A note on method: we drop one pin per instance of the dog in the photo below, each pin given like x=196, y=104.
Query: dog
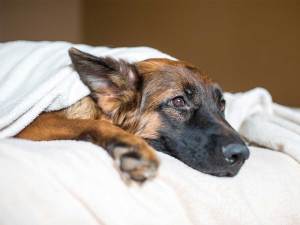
x=135, y=109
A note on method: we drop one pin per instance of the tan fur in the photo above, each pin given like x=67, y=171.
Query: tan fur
x=148, y=126
x=85, y=108
x=54, y=126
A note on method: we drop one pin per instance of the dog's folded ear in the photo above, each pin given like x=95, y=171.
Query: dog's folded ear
x=110, y=80
x=101, y=72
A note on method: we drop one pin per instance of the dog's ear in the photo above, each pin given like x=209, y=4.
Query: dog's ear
x=111, y=81
x=102, y=72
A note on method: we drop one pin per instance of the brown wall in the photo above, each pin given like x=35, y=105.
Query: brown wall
x=40, y=20
x=242, y=44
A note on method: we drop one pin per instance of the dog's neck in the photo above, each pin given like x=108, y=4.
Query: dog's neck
x=86, y=108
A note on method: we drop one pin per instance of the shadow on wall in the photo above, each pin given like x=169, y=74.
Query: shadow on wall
x=241, y=44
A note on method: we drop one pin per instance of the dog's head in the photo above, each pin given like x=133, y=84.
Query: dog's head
x=171, y=104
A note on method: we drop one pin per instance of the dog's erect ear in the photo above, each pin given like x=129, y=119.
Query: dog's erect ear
x=101, y=72
x=111, y=81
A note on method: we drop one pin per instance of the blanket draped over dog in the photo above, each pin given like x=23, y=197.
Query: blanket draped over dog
x=37, y=76
x=72, y=182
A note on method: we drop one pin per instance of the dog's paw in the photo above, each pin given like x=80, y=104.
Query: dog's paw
x=135, y=162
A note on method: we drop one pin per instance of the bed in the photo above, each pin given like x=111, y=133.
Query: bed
x=74, y=182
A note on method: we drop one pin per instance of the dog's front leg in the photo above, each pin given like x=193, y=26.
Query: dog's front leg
x=134, y=157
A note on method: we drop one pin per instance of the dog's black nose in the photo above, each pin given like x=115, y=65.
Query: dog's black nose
x=235, y=152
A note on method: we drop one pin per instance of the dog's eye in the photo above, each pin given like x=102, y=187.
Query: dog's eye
x=178, y=102
x=222, y=104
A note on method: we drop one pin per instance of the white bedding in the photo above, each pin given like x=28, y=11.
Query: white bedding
x=72, y=182
x=68, y=182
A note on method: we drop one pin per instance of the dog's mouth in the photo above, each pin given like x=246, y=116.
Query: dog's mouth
x=230, y=171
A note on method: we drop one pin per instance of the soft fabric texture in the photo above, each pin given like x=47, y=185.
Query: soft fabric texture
x=263, y=122
x=72, y=182
x=69, y=182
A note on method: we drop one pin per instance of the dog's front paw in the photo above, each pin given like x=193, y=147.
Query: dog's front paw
x=136, y=162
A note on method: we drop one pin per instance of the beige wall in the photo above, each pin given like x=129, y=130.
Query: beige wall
x=40, y=20
x=242, y=44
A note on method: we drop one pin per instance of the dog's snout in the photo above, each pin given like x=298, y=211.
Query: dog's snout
x=235, y=153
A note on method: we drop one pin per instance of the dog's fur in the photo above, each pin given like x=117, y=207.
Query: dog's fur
x=169, y=105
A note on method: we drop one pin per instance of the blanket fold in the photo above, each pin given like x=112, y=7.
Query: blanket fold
x=264, y=123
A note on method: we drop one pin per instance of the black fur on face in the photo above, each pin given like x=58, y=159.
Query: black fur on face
x=199, y=134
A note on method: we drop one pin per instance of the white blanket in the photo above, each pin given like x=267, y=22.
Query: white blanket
x=263, y=122
x=72, y=182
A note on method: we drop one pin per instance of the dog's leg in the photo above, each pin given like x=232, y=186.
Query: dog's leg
x=134, y=157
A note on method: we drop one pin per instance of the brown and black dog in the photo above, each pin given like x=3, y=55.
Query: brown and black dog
x=169, y=105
